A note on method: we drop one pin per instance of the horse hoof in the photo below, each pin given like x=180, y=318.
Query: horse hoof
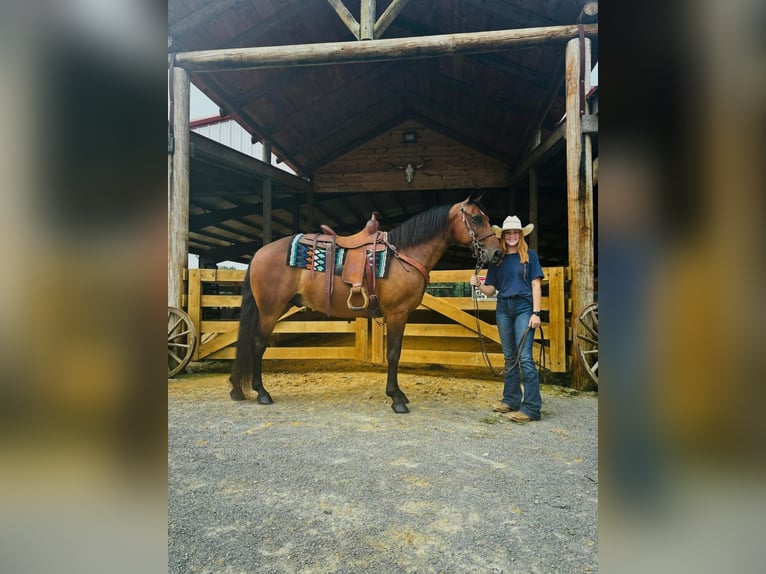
x=400, y=408
x=265, y=399
x=236, y=396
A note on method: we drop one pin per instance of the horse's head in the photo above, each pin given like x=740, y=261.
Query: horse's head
x=471, y=227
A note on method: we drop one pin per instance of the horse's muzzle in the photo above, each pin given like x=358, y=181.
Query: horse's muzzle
x=494, y=257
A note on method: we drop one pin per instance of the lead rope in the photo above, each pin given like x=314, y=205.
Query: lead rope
x=520, y=346
x=484, y=354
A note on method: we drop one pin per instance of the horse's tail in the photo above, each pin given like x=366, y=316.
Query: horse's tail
x=244, y=364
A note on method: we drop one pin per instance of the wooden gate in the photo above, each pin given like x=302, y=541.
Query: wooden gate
x=457, y=320
x=443, y=330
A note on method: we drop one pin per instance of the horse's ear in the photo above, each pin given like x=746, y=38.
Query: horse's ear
x=476, y=195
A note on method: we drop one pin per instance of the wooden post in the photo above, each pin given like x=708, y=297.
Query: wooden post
x=310, y=211
x=361, y=339
x=266, y=188
x=533, y=214
x=557, y=319
x=374, y=50
x=367, y=13
x=178, y=192
x=194, y=303
x=579, y=200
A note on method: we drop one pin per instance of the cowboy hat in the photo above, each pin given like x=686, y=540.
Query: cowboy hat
x=512, y=222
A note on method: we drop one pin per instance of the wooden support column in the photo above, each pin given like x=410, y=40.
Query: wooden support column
x=310, y=211
x=533, y=214
x=178, y=192
x=579, y=198
x=367, y=14
x=266, y=196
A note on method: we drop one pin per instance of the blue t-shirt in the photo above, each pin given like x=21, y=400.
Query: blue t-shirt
x=512, y=279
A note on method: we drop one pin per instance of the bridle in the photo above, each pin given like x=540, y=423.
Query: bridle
x=479, y=252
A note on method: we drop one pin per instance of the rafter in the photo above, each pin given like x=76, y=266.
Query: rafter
x=345, y=16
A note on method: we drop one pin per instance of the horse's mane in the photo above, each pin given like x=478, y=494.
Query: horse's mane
x=423, y=226
x=420, y=227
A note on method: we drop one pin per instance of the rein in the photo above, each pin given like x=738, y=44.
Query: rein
x=515, y=362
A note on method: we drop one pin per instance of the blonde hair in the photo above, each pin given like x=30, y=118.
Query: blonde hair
x=522, y=248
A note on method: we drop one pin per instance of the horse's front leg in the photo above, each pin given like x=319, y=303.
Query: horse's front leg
x=394, y=335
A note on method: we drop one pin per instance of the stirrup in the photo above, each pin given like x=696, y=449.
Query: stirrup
x=364, y=304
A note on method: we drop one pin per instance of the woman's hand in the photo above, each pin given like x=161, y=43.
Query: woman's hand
x=534, y=322
x=475, y=281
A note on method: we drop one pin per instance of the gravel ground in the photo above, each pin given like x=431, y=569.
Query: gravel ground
x=329, y=480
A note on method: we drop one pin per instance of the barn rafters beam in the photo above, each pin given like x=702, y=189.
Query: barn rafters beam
x=375, y=50
x=333, y=98
x=345, y=16
x=208, y=85
x=440, y=119
x=204, y=15
x=470, y=90
x=494, y=61
x=388, y=16
x=358, y=125
x=248, y=97
x=353, y=137
x=510, y=11
x=217, y=152
x=251, y=36
x=367, y=12
x=235, y=251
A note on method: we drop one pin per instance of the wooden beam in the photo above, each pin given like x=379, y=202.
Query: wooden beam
x=547, y=100
x=497, y=62
x=541, y=152
x=368, y=79
x=346, y=17
x=199, y=17
x=234, y=251
x=374, y=50
x=178, y=193
x=533, y=199
x=266, y=196
x=388, y=17
x=579, y=198
x=219, y=153
x=367, y=13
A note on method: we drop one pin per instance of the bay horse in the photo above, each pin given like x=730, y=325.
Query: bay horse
x=271, y=287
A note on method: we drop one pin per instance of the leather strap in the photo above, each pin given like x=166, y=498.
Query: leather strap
x=416, y=264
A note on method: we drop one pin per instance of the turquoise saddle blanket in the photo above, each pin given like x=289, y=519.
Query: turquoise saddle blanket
x=305, y=257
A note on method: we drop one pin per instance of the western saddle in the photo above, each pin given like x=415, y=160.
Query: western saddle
x=359, y=267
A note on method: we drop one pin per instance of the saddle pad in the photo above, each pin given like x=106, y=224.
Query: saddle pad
x=304, y=256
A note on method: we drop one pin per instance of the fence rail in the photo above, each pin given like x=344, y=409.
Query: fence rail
x=442, y=330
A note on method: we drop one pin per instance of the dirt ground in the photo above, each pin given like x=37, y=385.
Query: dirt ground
x=330, y=479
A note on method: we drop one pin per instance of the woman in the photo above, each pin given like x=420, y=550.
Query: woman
x=518, y=284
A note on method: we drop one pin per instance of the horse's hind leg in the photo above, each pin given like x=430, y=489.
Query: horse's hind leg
x=394, y=335
x=254, y=331
x=266, y=324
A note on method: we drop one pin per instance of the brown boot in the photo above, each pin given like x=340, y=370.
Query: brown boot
x=519, y=417
x=503, y=408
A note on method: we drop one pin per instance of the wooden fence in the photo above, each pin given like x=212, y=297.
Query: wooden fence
x=443, y=330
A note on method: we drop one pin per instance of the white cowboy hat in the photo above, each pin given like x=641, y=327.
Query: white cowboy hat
x=512, y=222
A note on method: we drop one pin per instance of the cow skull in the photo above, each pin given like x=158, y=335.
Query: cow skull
x=409, y=169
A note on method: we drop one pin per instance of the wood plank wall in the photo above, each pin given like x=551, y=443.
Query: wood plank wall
x=450, y=165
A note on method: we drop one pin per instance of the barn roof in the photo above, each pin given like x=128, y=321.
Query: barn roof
x=475, y=113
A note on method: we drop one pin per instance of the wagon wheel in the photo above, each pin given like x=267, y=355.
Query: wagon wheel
x=182, y=338
x=587, y=340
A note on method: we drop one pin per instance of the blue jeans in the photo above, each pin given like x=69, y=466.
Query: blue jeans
x=513, y=314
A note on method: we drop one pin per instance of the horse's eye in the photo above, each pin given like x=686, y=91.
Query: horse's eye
x=477, y=219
